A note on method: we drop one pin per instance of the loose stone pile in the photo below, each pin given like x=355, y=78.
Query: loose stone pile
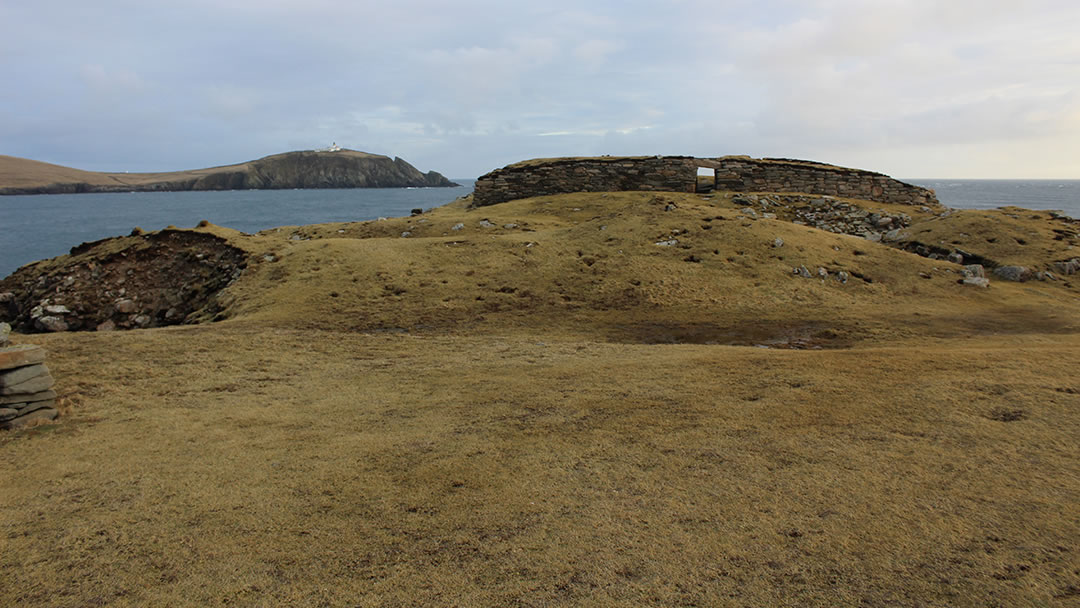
x=828, y=213
x=25, y=384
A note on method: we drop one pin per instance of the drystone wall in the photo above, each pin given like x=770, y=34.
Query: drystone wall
x=680, y=174
x=599, y=174
x=744, y=174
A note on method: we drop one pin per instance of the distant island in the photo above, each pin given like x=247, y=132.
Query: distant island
x=331, y=168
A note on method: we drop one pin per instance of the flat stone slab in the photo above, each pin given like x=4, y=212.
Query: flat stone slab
x=23, y=420
x=33, y=385
x=20, y=356
x=26, y=408
x=7, y=413
x=22, y=374
x=9, y=400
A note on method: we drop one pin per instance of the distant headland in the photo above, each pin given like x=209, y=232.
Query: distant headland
x=332, y=167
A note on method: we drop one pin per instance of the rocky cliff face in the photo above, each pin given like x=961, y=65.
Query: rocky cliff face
x=304, y=169
x=321, y=170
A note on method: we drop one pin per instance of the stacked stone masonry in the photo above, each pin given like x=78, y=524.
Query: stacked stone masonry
x=680, y=174
x=25, y=384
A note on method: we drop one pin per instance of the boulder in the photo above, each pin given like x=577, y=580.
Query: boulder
x=22, y=374
x=18, y=356
x=50, y=323
x=1012, y=273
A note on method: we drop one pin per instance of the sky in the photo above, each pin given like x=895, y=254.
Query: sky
x=911, y=88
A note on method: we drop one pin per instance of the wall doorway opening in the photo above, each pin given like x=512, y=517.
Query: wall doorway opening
x=706, y=179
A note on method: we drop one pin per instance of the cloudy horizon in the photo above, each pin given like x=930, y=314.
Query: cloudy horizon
x=914, y=89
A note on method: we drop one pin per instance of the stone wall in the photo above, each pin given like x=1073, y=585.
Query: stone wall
x=599, y=174
x=745, y=174
x=679, y=174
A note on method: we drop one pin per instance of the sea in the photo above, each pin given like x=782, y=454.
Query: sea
x=47, y=225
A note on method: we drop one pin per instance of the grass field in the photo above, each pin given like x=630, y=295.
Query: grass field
x=564, y=413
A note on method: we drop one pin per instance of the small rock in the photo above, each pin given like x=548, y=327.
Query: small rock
x=873, y=237
x=768, y=216
x=670, y=207
x=106, y=325
x=406, y=234
x=778, y=242
x=1068, y=267
x=511, y=226
x=976, y=281
x=1012, y=273
x=842, y=277
x=974, y=270
x=125, y=306
x=269, y=257
x=956, y=257
x=486, y=224
x=802, y=271
x=50, y=323
x=458, y=226
x=57, y=309
x=417, y=211
x=747, y=211
x=668, y=243
x=7, y=413
x=5, y=331
x=822, y=273
x=141, y=320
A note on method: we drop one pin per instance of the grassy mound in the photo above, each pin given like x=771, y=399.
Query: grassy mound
x=562, y=401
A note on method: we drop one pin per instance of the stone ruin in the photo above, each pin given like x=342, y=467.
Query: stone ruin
x=541, y=177
x=26, y=385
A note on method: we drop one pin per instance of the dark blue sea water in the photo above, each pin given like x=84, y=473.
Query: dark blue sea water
x=1063, y=195
x=47, y=225
x=44, y=226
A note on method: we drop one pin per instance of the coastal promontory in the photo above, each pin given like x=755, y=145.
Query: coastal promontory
x=334, y=168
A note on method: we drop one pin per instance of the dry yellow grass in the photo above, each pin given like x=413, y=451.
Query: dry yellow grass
x=548, y=448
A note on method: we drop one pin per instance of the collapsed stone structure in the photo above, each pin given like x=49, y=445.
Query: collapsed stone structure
x=25, y=384
x=540, y=177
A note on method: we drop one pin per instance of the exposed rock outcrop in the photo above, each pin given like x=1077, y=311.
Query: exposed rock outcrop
x=161, y=278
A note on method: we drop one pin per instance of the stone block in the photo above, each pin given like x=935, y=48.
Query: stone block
x=22, y=374
x=21, y=355
x=23, y=420
x=33, y=385
x=14, y=400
